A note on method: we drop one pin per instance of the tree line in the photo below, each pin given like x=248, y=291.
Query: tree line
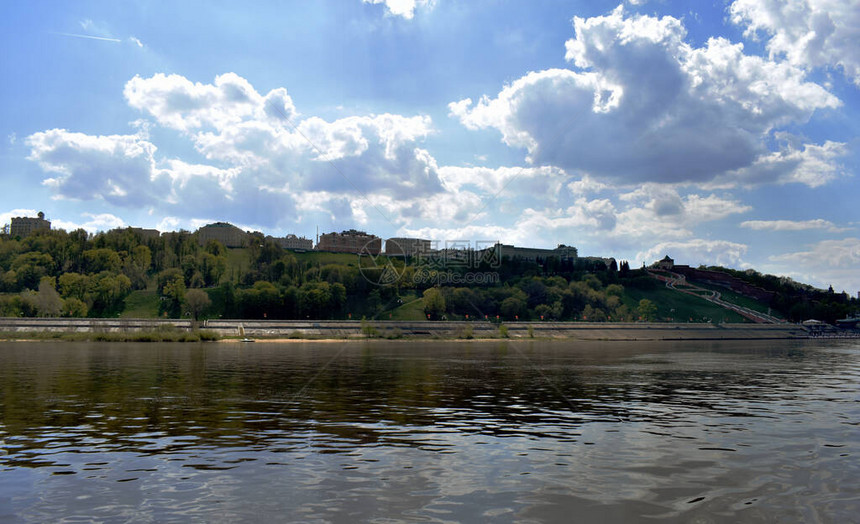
x=76, y=274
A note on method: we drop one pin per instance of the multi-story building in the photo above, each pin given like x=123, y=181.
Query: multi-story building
x=25, y=226
x=409, y=247
x=500, y=251
x=146, y=234
x=351, y=241
x=227, y=234
x=293, y=242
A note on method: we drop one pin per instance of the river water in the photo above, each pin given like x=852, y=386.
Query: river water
x=430, y=432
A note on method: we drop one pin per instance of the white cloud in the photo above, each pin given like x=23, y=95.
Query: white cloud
x=403, y=8
x=647, y=106
x=808, y=33
x=811, y=165
x=792, y=225
x=256, y=160
x=829, y=262
x=168, y=224
x=116, y=168
x=596, y=216
x=658, y=211
x=697, y=251
x=230, y=122
x=6, y=218
x=135, y=41
x=498, y=181
x=96, y=222
x=843, y=253
x=178, y=103
x=587, y=185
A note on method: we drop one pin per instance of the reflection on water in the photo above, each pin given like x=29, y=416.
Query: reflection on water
x=430, y=431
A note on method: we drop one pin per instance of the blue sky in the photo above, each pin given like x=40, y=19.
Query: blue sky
x=718, y=133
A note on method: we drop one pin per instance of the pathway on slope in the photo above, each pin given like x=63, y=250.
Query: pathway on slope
x=679, y=283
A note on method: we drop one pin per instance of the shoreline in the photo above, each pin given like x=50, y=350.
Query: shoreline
x=330, y=331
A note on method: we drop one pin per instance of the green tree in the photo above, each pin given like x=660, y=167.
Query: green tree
x=74, y=285
x=48, y=301
x=434, y=303
x=106, y=293
x=314, y=299
x=103, y=259
x=31, y=267
x=647, y=310
x=513, y=307
x=172, y=293
x=196, y=302
x=75, y=308
x=136, y=265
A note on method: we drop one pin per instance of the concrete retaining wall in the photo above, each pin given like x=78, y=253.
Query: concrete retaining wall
x=340, y=329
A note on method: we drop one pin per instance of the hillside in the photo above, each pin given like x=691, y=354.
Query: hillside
x=120, y=273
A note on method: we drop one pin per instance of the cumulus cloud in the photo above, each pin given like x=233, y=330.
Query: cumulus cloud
x=119, y=169
x=523, y=182
x=697, y=251
x=843, y=253
x=824, y=263
x=259, y=154
x=230, y=122
x=808, y=33
x=659, y=211
x=178, y=103
x=402, y=8
x=792, y=225
x=810, y=164
x=644, y=105
x=93, y=223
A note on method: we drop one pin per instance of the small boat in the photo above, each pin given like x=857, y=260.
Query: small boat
x=247, y=340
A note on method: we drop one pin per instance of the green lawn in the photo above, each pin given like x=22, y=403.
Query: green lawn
x=412, y=309
x=141, y=304
x=738, y=299
x=685, y=306
x=238, y=261
x=322, y=258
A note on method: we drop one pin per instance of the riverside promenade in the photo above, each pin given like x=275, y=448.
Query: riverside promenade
x=341, y=329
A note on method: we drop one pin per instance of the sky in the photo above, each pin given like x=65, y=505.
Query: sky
x=716, y=132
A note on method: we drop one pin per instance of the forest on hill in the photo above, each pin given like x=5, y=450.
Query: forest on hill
x=123, y=272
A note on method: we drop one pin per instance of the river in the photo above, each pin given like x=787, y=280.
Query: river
x=427, y=431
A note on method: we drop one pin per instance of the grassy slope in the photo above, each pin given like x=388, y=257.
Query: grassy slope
x=736, y=298
x=141, y=304
x=412, y=309
x=685, y=306
x=144, y=304
x=323, y=258
x=238, y=261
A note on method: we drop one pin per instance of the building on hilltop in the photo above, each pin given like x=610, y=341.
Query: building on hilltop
x=350, y=241
x=562, y=252
x=665, y=263
x=293, y=242
x=25, y=226
x=146, y=234
x=400, y=246
x=227, y=234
